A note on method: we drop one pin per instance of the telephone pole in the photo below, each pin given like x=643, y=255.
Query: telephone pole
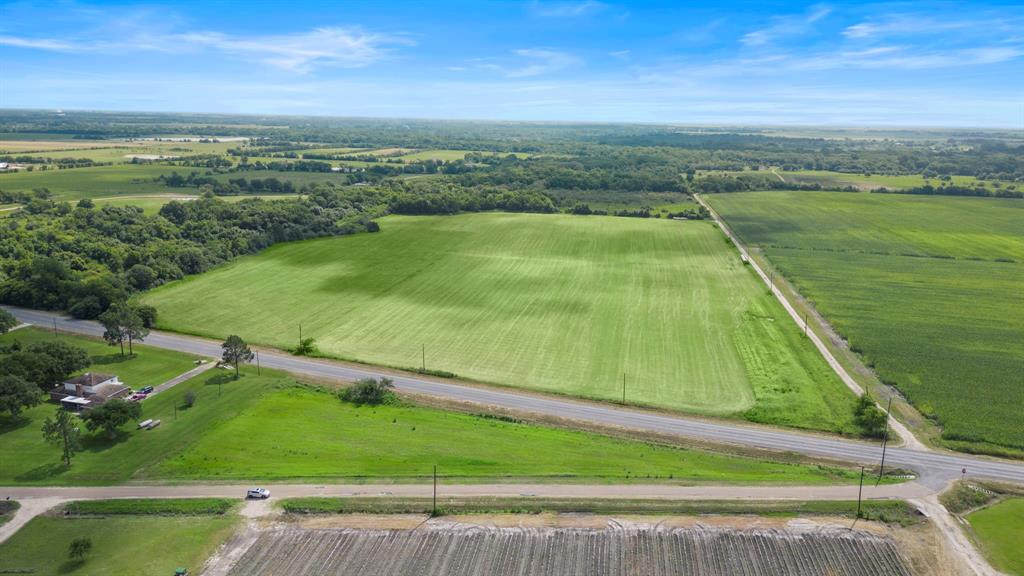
x=859, y=492
x=257, y=362
x=623, y=387
x=423, y=366
x=433, y=510
x=885, y=440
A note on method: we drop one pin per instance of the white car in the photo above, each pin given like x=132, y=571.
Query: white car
x=261, y=493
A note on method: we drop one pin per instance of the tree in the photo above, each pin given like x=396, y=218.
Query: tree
x=869, y=417
x=190, y=399
x=369, y=391
x=16, y=394
x=61, y=430
x=113, y=332
x=121, y=322
x=7, y=321
x=306, y=347
x=79, y=548
x=45, y=364
x=111, y=415
x=236, y=351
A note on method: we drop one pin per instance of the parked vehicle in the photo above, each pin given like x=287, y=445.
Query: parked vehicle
x=260, y=493
x=145, y=424
x=137, y=397
x=153, y=424
x=146, y=390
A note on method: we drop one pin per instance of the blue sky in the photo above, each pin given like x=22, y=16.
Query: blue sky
x=917, y=63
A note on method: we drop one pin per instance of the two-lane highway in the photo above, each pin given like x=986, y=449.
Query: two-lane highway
x=935, y=468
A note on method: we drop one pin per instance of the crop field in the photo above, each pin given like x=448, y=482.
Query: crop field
x=875, y=181
x=91, y=182
x=122, y=545
x=23, y=146
x=471, y=551
x=927, y=289
x=298, y=431
x=151, y=203
x=558, y=303
x=999, y=529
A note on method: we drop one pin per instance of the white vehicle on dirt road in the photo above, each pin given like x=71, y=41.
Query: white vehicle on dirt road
x=259, y=493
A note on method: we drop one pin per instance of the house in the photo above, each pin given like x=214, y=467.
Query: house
x=88, y=390
x=3, y=166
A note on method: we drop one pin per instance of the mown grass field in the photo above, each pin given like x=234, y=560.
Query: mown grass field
x=306, y=434
x=557, y=303
x=121, y=545
x=999, y=529
x=928, y=289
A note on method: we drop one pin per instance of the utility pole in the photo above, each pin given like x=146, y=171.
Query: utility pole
x=257, y=362
x=771, y=281
x=885, y=440
x=433, y=510
x=55, y=327
x=805, y=323
x=423, y=366
x=623, y=387
x=859, y=492
x=300, y=334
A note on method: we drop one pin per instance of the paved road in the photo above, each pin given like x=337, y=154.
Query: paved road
x=935, y=468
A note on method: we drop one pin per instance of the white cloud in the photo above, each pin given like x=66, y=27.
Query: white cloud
x=539, y=61
x=345, y=47
x=620, y=54
x=37, y=43
x=299, y=52
x=784, y=26
x=568, y=9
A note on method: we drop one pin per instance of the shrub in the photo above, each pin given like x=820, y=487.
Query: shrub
x=190, y=398
x=870, y=419
x=370, y=391
x=306, y=347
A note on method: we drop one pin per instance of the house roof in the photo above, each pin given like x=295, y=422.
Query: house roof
x=75, y=400
x=89, y=379
x=110, y=390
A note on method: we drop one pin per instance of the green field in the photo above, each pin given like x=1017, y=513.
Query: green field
x=122, y=545
x=310, y=435
x=890, y=181
x=92, y=182
x=928, y=289
x=556, y=303
x=999, y=529
x=151, y=204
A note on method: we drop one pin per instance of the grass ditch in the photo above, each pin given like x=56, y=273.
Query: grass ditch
x=887, y=511
x=150, y=507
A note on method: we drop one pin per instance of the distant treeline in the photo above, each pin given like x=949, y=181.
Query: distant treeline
x=952, y=190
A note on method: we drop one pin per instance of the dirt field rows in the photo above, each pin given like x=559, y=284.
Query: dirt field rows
x=481, y=551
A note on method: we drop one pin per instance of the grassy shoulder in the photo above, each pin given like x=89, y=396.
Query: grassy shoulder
x=301, y=433
x=999, y=530
x=888, y=511
x=140, y=543
x=151, y=506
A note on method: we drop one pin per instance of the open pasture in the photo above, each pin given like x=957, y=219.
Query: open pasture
x=298, y=431
x=999, y=530
x=577, y=305
x=927, y=289
x=121, y=545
